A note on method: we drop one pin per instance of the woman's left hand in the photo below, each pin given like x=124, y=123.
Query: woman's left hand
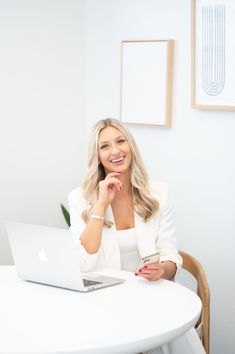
x=151, y=271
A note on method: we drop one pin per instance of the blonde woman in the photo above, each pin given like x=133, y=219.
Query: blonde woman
x=118, y=216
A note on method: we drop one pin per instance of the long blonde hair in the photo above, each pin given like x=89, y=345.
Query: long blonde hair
x=144, y=204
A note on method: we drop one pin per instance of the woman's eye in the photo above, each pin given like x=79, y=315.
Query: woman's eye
x=103, y=147
x=121, y=141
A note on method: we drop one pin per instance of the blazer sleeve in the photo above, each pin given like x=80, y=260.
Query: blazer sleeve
x=166, y=242
x=76, y=206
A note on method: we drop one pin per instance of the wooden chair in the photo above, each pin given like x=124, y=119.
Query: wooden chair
x=193, y=266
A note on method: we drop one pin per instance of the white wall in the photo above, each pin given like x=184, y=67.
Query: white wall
x=42, y=63
x=196, y=156
x=42, y=46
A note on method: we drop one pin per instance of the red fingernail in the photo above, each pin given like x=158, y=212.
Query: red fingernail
x=145, y=266
x=140, y=270
x=136, y=273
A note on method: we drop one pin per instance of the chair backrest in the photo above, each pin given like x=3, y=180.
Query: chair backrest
x=194, y=267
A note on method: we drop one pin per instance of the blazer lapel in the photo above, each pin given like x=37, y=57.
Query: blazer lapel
x=145, y=235
x=111, y=248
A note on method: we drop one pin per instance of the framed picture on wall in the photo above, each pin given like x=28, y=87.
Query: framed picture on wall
x=146, y=82
x=213, y=54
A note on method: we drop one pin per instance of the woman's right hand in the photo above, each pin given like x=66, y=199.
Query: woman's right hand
x=108, y=188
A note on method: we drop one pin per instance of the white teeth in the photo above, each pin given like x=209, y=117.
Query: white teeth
x=118, y=160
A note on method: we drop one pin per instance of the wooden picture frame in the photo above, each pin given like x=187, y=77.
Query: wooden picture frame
x=213, y=54
x=146, y=82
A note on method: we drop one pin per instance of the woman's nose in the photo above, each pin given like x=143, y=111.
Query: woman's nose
x=114, y=149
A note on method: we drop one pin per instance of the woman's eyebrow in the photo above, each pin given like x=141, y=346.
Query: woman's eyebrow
x=105, y=142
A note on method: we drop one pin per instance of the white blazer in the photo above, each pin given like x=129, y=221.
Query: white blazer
x=158, y=234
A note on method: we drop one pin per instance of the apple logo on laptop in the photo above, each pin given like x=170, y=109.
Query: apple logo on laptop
x=42, y=255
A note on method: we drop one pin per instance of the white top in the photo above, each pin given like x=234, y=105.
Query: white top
x=130, y=258
x=132, y=317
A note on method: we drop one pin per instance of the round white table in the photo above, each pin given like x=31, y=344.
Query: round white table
x=127, y=318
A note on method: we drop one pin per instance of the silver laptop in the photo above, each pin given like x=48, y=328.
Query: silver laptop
x=47, y=255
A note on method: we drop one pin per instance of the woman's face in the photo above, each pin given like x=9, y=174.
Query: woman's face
x=114, y=150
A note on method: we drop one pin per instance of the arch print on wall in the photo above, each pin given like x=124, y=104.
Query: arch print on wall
x=213, y=54
x=146, y=82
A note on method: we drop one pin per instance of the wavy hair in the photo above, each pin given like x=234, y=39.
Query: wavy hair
x=144, y=204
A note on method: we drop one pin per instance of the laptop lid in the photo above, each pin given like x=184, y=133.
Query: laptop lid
x=47, y=255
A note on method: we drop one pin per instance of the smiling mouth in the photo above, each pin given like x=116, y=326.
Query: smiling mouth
x=120, y=159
